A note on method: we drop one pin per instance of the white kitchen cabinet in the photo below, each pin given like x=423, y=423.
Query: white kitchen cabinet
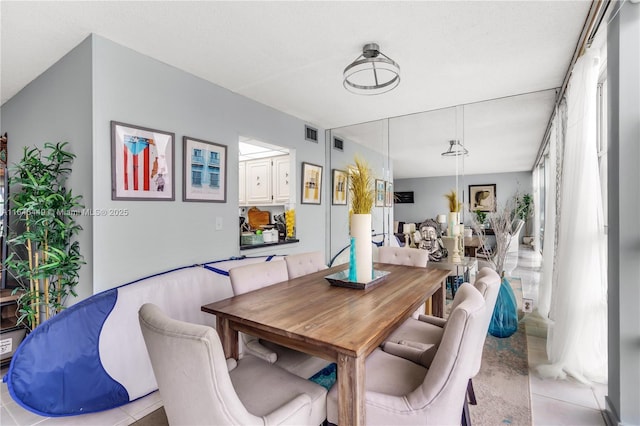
x=281, y=179
x=242, y=183
x=267, y=181
x=259, y=181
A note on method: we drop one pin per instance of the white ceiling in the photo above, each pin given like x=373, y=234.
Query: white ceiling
x=290, y=56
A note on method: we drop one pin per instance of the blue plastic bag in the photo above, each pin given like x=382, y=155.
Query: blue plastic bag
x=504, y=321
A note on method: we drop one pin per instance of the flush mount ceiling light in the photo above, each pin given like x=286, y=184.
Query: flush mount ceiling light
x=455, y=149
x=371, y=73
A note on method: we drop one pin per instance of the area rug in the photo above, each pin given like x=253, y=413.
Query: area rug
x=325, y=377
x=502, y=386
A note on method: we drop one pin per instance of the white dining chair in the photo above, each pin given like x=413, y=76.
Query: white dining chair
x=305, y=263
x=419, y=339
x=405, y=256
x=403, y=392
x=199, y=387
x=255, y=276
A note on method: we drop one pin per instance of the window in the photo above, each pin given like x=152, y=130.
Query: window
x=196, y=178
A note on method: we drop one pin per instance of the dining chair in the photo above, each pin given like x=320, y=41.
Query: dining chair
x=305, y=263
x=402, y=392
x=405, y=256
x=251, y=277
x=419, y=339
x=198, y=386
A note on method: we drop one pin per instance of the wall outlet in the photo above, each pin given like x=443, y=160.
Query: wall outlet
x=527, y=305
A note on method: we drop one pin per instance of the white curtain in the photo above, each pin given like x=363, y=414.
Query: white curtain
x=576, y=341
x=537, y=176
x=548, y=251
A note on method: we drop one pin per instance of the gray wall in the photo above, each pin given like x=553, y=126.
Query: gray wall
x=156, y=236
x=100, y=81
x=57, y=107
x=429, y=200
x=623, y=69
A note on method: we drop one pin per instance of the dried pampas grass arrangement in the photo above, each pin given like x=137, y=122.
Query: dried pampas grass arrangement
x=361, y=187
x=454, y=204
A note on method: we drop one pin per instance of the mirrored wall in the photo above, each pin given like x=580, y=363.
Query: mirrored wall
x=502, y=136
x=368, y=142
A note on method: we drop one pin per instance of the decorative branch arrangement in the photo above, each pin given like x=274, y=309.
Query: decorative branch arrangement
x=501, y=222
x=45, y=210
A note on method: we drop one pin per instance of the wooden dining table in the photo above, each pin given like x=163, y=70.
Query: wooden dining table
x=339, y=324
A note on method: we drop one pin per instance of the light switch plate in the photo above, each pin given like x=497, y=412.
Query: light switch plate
x=218, y=224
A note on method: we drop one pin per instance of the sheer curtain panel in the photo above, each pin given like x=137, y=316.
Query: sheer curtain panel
x=576, y=342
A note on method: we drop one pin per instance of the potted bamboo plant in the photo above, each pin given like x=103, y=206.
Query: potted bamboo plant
x=45, y=256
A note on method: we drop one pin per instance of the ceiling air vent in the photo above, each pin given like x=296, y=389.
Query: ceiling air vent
x=311, y=134
x=338, y=144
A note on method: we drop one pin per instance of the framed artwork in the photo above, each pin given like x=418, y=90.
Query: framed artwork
x=142, y=163
x=311, y=183
x=388, y=194
x=339, y=188
x=205, y=171
x=380, y=194
x=403, y=197
x=482, y=197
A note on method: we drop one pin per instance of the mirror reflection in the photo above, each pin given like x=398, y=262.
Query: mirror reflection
x=501, y=135
x=368, y=142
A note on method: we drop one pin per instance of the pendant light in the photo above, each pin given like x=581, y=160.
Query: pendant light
x=371, y=73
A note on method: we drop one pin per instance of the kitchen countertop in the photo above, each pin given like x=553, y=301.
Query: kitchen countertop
x=279, y=243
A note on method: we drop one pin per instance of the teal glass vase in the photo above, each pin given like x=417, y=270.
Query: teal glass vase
x=352, y=261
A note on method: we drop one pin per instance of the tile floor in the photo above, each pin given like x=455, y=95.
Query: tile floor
x=554, y=402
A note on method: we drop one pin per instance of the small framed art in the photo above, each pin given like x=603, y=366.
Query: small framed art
x=482, y=197
x=388, y=194
x=339, y=188
x=142, y=163
x=311, y=183
x=205, y=171
x=380, y=195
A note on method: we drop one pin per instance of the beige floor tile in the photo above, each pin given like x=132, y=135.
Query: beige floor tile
x=114, y=416
x=536, y=343
x=4, y=395
x=143, y=406
x=600, y=391
x=551, y=412
x=23, y=417
x=6, y=419
x=563, y=390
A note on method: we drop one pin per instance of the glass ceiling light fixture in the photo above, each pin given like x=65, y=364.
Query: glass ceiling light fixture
x=455, y=149
x=371, y=73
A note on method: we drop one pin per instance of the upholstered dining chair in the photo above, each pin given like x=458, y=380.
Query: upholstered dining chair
x=198, y=386
x=403, y=392
x=305, y=263
x=419, y=339
x=253, y=277
x=405, y=256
